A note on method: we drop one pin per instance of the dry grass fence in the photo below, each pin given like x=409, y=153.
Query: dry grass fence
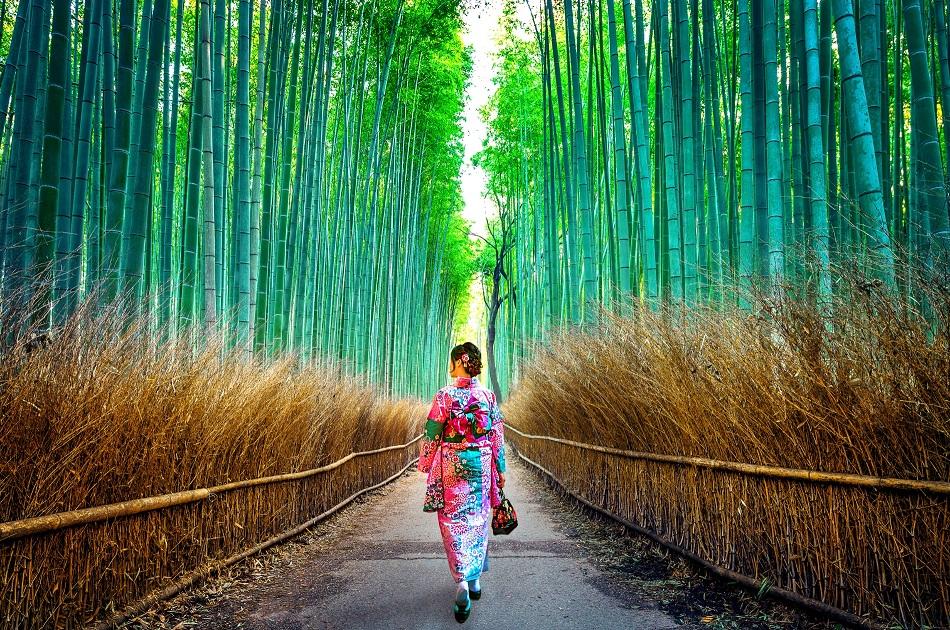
x=865, y=399
x=99, y=415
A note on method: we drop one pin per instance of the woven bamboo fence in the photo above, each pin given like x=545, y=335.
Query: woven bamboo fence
x=864, y=550
x=123, y=556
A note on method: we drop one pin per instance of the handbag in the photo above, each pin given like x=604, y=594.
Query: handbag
x=504, y=519
x=435, y=490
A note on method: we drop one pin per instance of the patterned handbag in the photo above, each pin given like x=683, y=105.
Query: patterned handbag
x=435, y=490
x=504, y=519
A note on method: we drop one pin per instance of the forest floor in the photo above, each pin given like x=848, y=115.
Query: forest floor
x=380, y=564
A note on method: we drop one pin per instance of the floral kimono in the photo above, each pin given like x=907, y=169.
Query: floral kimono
x=465, y=428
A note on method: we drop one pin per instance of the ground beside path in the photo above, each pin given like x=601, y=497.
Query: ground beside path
x=380, y=564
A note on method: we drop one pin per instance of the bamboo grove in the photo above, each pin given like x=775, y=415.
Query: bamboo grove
x=286, y=170
x=688, y=151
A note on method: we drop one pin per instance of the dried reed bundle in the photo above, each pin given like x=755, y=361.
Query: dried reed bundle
x=869, y=395
x=102, y=413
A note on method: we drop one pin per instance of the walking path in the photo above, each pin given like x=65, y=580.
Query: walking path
x=392, y=573
x=387, y=569
x=381, y=565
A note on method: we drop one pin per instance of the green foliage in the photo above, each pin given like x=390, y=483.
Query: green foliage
x=320, y=213
x=754, y=157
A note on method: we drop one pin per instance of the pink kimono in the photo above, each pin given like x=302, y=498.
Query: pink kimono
x=464, y=442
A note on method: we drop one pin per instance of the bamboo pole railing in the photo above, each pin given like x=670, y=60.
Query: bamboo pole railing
x=79, y=602
x=776, y=472
x=42, y=524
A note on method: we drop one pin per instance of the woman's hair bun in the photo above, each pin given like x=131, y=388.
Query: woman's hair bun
x=470, y=356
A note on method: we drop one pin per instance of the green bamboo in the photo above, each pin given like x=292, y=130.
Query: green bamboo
x=931, y=188
x=861, y=143
x=816, y=154
x=137, y=222
x=620, y=152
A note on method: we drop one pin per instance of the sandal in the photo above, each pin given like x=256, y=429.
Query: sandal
x=461, y=614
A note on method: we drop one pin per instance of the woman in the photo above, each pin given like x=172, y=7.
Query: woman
x=464, y=445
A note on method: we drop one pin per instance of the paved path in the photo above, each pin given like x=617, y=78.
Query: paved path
x=388, y=570
x=393, y=574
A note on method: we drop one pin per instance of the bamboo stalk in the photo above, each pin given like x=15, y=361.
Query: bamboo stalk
x=195, y=577
x=12, y=530
x=745, y=581
x=777, y=472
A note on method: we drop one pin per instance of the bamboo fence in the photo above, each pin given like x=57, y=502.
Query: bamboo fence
x=104, y=564
x=867, y=551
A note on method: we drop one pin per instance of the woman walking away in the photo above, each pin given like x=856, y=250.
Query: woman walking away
x=463, y=452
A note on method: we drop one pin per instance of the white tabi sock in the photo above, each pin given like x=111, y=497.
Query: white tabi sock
x=473, y=585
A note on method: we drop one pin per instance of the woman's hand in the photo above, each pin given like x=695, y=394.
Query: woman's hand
x=501, y=480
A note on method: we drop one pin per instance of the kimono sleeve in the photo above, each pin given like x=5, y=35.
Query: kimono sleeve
x=497, y=436
x=435, y=422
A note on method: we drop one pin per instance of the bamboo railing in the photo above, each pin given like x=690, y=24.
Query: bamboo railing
x=777, y=472
x=53, y=522
x=127, y=556
x=863, y=550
